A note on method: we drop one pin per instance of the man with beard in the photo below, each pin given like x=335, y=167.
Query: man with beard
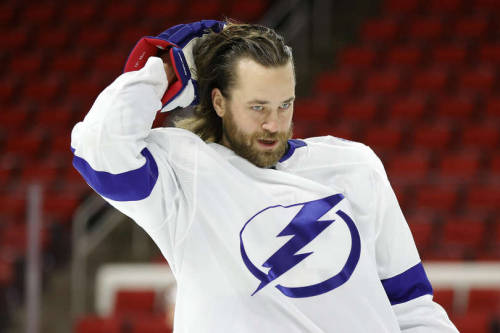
x=262, y=232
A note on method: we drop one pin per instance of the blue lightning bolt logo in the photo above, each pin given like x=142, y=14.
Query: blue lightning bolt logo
x=304, y=227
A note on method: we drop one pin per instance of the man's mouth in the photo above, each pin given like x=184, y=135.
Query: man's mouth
x=267, y=143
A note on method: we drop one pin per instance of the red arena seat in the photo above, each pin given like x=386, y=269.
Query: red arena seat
x=431, y=80
x=408, y=108
x=425, y=29
x=436, y=136
x=409, y=168
x=357, y=57
x=338, y=83
x=380, y=30
x=484, y=300
x=436, y=198
x=489, y=54
x=464, y=231
x=248, y=11
x=383, y=82
x=134, y=301
x=404, y=55
x=459, y=167
x=363, y=109
x=480, y=79
x=450, y=54
x=94, y=324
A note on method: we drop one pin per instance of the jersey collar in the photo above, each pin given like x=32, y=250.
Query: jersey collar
x=292, y=145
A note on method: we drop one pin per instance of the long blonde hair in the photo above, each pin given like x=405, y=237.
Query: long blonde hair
x=215, y=58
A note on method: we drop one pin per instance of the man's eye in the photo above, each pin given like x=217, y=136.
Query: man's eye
x=257, y=107
x=285, y=105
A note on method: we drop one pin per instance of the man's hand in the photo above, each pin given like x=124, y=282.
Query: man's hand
x=174, y=46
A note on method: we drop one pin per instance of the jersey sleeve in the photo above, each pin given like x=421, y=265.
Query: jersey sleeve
x=115, y=152
x=398, y=263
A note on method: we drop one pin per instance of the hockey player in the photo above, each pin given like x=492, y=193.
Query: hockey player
x=262, y=232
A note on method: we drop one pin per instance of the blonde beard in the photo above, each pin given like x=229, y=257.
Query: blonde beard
x=243, y=144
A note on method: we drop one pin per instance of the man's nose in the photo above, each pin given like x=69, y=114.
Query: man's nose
x=270, y=123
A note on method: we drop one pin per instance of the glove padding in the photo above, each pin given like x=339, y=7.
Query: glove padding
x=179, y=41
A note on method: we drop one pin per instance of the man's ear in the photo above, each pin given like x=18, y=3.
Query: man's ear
x=218, y=102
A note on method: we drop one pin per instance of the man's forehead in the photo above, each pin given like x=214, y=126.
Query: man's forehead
x=260, y=80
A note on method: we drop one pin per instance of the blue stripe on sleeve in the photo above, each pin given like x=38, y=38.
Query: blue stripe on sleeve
x=408, y=285
x=127, y=186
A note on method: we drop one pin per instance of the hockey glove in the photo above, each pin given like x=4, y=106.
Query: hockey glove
x=178, y=41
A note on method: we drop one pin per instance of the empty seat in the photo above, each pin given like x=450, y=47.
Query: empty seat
x=54, y=37
x=14, y=117
x=134, y=302
x=382, y=82
x=455, y=107
x=463, y=230
x=15, y=238
x=41, y=173
x=408, y=108
x=94, y=324
x=380, y=30
x=14, y=39
x=248, y=11
x=401, y=6
x=436, y=136
x=425, y=29
x=80, y=12
x=85, y=88
x=27, y=64
x=313, y=109
x=450, y=54
x=444, y=6
x=484, y=300
x=488, y=5
x=472, y=322
x=110, y=63
x=489, y=54
x=470, y=27
x=162, y=9
x=436, y=198
x=481, y=136
x=493, y=107
x=44, y=89
x=68, y=63
x=431, y=80
x=338, y=83
x=39, y=13
x=459, y=167
x=95, y=36
x=61, y=204
x=357, y=57
x=383, y=138
x=444, y=297
x=409, y=168
x=121, y=11
x=404, y=55
x=483, y=198
x=363, y=109
x=480, y=79
x=422, y=228
x=28, y=144
x=151, y=324
x=494, y=166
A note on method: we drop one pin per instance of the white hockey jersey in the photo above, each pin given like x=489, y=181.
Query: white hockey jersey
x=316, y=244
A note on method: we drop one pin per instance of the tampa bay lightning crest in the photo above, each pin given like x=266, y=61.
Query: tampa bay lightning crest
x=314, y=250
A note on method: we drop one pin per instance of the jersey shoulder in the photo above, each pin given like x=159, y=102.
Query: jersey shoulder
x=336, y=151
